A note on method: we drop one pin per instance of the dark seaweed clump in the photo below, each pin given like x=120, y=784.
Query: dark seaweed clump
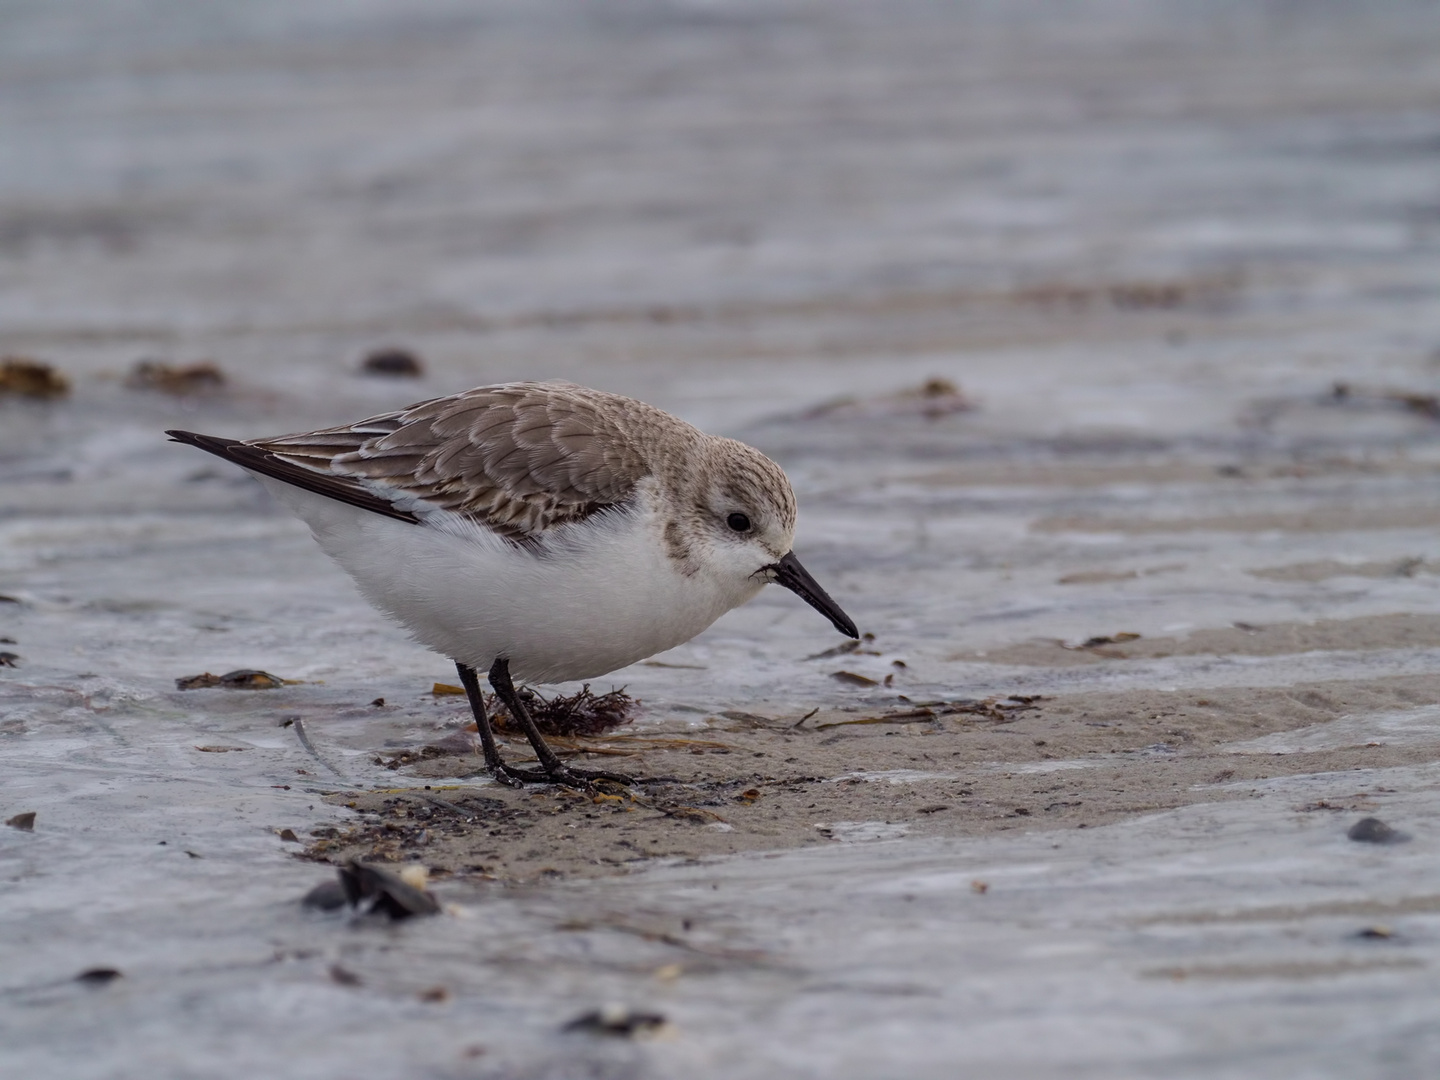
x=584, y=713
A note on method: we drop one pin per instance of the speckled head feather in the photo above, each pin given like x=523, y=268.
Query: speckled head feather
x=725, y=477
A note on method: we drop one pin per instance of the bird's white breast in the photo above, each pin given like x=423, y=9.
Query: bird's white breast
x=590, y=597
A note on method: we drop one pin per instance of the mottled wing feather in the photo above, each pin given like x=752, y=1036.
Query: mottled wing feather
x=517, y=458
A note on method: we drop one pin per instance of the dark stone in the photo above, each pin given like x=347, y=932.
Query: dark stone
x=98, y=976
x=327, y=896
x=384, y=893
x=616, y=1021
x=1372, y=830
x=394, y=363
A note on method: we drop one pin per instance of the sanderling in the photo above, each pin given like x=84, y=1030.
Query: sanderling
x=543, y=531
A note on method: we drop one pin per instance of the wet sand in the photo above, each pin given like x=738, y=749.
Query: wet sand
x=1152, y=593
x=761, y=783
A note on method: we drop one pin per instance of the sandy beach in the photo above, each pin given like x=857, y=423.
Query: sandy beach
x=1103, y=353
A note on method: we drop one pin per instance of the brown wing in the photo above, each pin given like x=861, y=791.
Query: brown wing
x=517, y=458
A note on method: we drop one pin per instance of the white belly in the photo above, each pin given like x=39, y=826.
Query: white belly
x=602, y=594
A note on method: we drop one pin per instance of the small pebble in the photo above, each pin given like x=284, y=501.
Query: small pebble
x=98, y=976
x=618, y=1020
x=343, y=975
x=327, y=896
x=1372, y=830
x=24, y=822
x=394, y=363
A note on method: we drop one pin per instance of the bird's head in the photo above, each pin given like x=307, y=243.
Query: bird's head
x=742, y=513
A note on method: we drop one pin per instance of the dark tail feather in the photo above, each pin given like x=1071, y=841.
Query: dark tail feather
x=256, y=459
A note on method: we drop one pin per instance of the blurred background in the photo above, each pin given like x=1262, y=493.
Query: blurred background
x=659, y=195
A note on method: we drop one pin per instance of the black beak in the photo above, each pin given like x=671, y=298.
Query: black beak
x=797, y=579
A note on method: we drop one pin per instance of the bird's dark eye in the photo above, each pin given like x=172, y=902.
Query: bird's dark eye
x=738, y=522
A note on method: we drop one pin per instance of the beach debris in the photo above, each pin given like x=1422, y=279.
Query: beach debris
x=839, y=650
x=382, y=892
x=1103, y=640
x=289, y=837
x=1381, y=933
x=582, y=713
x=1000, y=710
x=1422, y=404
x=695, y=815
x=850, y=678
x=1101, y=577
x=936, y=397
x=327, y=896
x=1347, y=396
x=214, y=749
x=24, y=822
x=297, y=725
x=24, y=377
x=799, y=723
x=441, y=689
x=1372, y=830
x=863, y=646
x=243, y=679
x=343, y=976
x=98, y=976
x=179, y=380
x=620, y=1022
x=434, y=995
x=1097, y=577
x=1139, y=295
x=9, y=659
x=393, y=363
x=748, y=719
x=457, y=744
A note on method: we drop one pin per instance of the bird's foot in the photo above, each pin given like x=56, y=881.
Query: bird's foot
x=517, y=778
x=568, y=774
x=563, y=774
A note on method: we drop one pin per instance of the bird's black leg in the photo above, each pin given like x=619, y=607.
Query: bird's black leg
x=555, y=769
x=497, y=768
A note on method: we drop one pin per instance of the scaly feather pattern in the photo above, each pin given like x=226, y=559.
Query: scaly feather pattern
x=518, y=458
